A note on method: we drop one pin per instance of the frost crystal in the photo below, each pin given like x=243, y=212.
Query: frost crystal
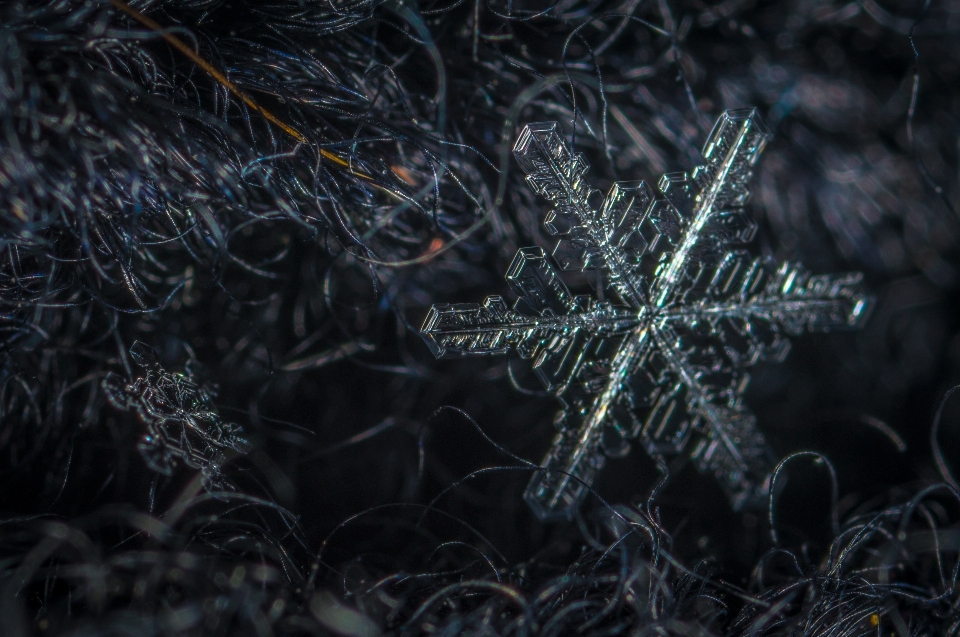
x=666, y=364
x=182, y=422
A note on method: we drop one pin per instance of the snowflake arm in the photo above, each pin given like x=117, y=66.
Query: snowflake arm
x=588, y=240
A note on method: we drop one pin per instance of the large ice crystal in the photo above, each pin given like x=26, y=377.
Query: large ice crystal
x=665, y=364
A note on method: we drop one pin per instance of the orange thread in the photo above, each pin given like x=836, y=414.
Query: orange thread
x=179, y=45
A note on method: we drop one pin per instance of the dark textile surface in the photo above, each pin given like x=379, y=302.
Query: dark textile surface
x=345, y=482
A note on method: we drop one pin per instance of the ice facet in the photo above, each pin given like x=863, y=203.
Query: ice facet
x=667, y=363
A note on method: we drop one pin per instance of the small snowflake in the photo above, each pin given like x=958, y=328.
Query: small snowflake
x=666, y=363
x=181, y=420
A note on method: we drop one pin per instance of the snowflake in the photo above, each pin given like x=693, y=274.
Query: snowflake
x=666, y=364
x=182, y=422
